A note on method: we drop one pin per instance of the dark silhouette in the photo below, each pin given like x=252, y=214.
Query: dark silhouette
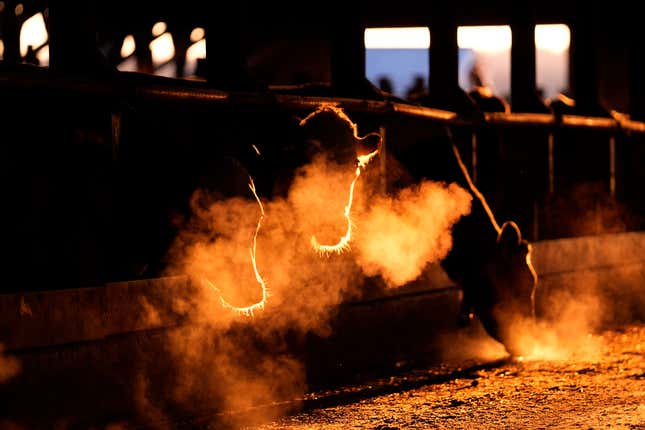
x=488, y=260
x=418, y=89
x=486, y=101
x=30, y=56
x=385, y=84
x=475, y=75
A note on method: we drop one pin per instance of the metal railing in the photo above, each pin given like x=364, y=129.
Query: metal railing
x=556, y=175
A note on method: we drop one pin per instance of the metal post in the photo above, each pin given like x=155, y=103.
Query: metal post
x=10, y=35
x=226, y=57
x=444, y=60
x=473, y=157
x=524, y=97
x=116, y=134
x=583, y=64
x=348, y=53
x=612, y=166
x=551, y=164
x=382, y=160
x=73, y=37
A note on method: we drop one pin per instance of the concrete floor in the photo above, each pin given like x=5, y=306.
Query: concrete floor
x=588, y=382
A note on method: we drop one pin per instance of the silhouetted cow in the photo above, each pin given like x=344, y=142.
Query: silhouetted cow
x=492, y=265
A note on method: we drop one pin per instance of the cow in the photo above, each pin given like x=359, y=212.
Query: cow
x=491, y=263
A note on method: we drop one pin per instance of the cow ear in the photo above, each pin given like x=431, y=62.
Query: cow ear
x=368, y=144
x=509, y=236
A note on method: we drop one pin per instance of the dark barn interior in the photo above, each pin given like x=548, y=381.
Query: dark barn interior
x=100, y=167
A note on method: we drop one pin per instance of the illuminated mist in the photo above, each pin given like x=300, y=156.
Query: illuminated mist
x=587, y=285
x=400, y=235
x=232, y=358
x=9, y=366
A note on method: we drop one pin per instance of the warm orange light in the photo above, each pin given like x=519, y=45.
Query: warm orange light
x=552, y=37
x=33, y=32
x=343, y=244
x=43, y=56
x=162, y=49
x=491, y=38
x=193, y=53
x=159, y=28
x=1, y=49
x=397, y=38
x=249, y=311
x=197, y=34
x=128, y=47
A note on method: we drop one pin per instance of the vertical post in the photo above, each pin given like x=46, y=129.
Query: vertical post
x=348, y=52
x=551, y=164
x=225, y=54
x=116, y=134
x=612, y=166
x=181, y=39
x=142, y=38
x=583, y=70
x=383, y=160
x=636, y=81
x=73, y=37
x=473, y=157
x=10, y=34
x=524, y=95
x=444, y=59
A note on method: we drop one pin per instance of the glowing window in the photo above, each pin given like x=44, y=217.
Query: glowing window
x=552, y=59
x=397, y=38
x=33, y=33
x=197, y=34
x=162, y=49
x=1, y=49
x=397, y=59
x=485, y=58
x=43, y=56
x=493, y=38
x=128, y=47
x=195, y=52
x=159, y=28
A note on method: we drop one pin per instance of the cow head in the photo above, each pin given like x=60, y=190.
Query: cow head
x=510, y=308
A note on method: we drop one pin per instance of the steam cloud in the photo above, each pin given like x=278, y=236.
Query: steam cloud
x=234, y=362
x=399, y=236
x=225, y=361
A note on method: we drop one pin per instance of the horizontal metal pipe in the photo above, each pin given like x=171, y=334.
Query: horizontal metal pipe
x=137, y=85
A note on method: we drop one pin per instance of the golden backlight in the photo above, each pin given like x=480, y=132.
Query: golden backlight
x=197, y=34
x=128, y=46
x=494, y=38
x=159, y=28
x=33, y=32
x=552, y=37
x=397, y=38
x=162, y=49
x=196, y=51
